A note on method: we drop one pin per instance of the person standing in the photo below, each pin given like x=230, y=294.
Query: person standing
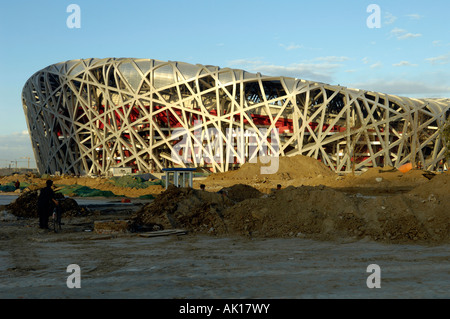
x=45, y=204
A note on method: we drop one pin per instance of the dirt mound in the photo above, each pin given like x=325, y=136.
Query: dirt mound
x=289, y=168
x=26, y=206
x=326, y=214
x=187, y=208
x=392, y=174
x=439, y=185
x=314, y=212
x=240, y=192
x=71, y=208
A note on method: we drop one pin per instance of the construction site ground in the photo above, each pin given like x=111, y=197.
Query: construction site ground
x=313, y=238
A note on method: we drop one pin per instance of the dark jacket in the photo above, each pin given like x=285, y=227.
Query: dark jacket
x=45, y=199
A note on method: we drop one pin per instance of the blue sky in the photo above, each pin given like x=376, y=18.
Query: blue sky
x=323, y=40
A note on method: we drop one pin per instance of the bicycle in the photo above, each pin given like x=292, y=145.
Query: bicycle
x=56, y=218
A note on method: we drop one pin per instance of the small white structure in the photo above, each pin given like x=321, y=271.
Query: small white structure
x=180, y=177
x=120, y=171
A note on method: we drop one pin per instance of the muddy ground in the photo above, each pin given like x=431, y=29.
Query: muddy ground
x=34, y=265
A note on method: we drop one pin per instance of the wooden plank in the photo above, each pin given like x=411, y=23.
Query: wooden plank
x=167, y=232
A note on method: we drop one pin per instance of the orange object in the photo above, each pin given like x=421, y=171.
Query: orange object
x=405, y=168
x=125, y=200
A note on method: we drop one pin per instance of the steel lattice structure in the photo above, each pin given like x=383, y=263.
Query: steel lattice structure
x=86, y=116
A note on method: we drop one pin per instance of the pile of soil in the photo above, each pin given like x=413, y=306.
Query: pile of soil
x=304, y=171
x=289, y=168
x=240, y=192
x=191, y=209
x=385, y=177
x=438, y=185
x=26, y=206
x=320, y=212
x=327, y=214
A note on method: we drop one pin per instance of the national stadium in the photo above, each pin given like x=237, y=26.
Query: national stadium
x=88, y=116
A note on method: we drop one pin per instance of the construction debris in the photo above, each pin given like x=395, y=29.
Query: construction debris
x=158, y=233
x=111, y=227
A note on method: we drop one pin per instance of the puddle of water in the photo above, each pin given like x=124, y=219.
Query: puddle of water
x=7, y=199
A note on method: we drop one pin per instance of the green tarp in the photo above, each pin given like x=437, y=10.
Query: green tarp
x=133, y=182
x=83, y=191
x=9, y=187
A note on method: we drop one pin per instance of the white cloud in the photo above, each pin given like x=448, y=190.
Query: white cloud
x=319, y=69
x=246, y=62
x=409, y=88
x=440, y=60
x=404, y=63
x=439, y=43
x=389, y=18
x=314, y=72
x=15, y=147
x=414, y=16
x=409, y=35
x=376, y=65
x=402, y=34
x=332, y=59
x=291, y=46
x=397, y=31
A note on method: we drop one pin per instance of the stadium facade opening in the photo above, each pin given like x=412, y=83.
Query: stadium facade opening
x=88, y=116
